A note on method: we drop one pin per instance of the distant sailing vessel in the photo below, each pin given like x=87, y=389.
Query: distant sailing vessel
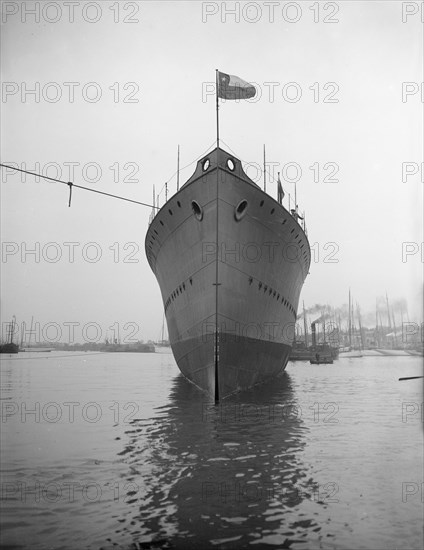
x=10, y=346
x=230, y=262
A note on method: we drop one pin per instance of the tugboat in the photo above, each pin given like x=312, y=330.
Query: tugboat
x=321, y=353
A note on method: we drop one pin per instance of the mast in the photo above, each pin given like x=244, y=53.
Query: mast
x=12, y=329
x=305, y=325
x=295, y=198
x=350, y=323
x=358, y=312
x=388, y=311
x=163, y=326
x=394, y=327
x=178, y=168
x=377, y=331
x=264, y=171
x=401, y=321
x=323, y=327
x=353, y=327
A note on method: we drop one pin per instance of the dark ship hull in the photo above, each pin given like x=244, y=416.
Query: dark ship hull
x=9, y=348
x=230, y=262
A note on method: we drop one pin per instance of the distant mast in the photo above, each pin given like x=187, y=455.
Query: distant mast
x=350, y=322
x=394, y=328
x=12, y=329
x=388, y=311
x=358, y=312
x=163, y=326
x=305, y=325
x=377, y=329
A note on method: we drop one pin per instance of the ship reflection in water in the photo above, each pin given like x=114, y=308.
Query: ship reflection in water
x=223, y=475
x=325, y=457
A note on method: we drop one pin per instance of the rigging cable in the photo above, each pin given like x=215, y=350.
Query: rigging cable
x=71, y=185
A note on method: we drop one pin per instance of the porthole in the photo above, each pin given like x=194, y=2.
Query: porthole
x=161, y=222
x=231, y=165
x=272, y=211
x=261, y=203
x=197, y=210
x=179, y=204
x=155, y=231
x=240, y=210
x=205, y=165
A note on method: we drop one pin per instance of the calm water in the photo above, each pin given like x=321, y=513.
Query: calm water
x=120, y=451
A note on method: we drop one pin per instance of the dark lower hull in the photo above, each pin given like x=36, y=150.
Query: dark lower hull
x=243, y=362
x=9, y=348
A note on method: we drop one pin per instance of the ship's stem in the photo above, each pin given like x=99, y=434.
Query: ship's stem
x=216, y=347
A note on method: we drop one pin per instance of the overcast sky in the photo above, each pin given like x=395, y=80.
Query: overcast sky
x=142, y=75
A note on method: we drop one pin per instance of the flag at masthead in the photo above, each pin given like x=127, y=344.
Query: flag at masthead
x=231, y=87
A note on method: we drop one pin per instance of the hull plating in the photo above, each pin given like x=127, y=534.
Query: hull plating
x=230, y=278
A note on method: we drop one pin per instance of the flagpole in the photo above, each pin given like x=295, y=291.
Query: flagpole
x=278, y=189
x=217, y=108
x=216, y=339
x=264, y=171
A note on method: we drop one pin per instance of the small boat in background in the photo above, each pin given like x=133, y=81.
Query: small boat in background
x=321, y=360
x=10, y=346
x=36, y=350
